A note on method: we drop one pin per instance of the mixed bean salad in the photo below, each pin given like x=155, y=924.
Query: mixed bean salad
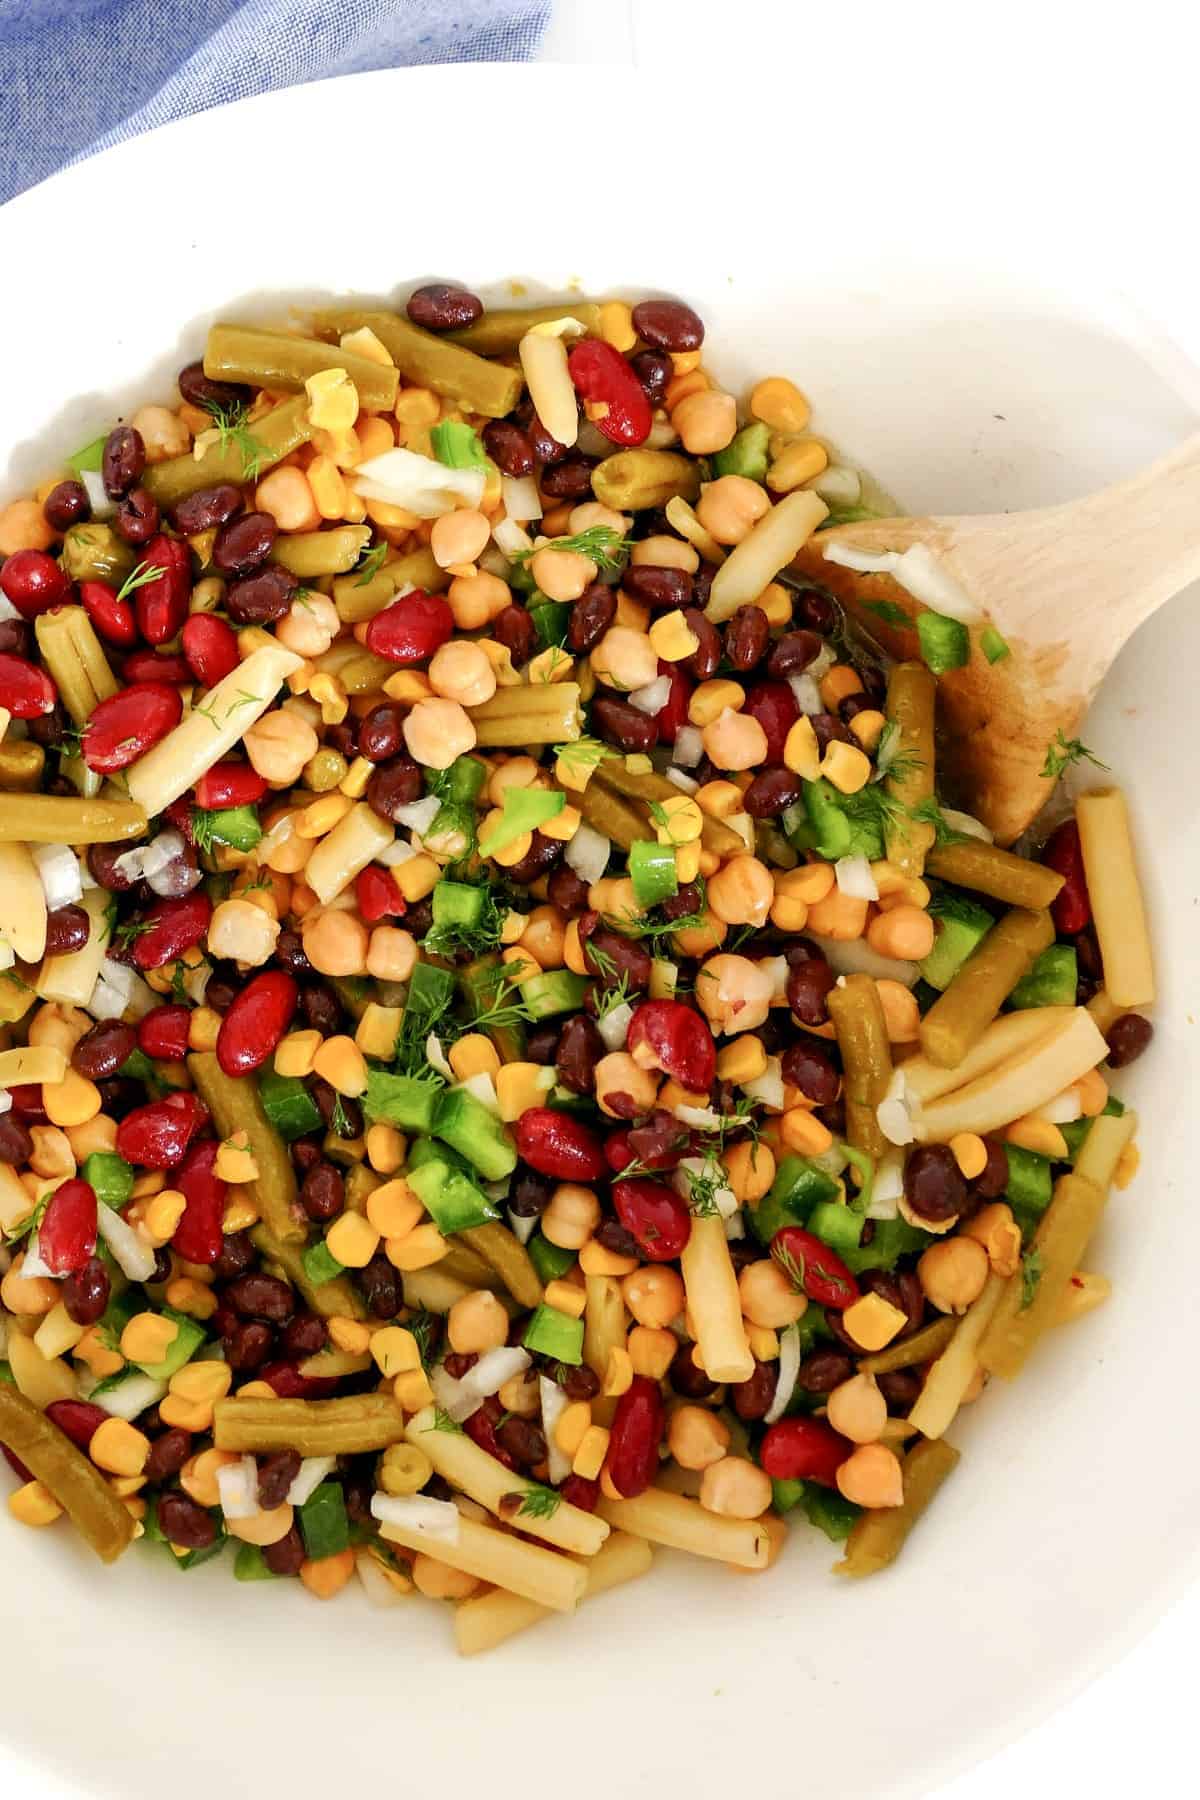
x=507, y=1061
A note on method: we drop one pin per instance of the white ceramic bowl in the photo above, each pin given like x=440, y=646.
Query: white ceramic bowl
x=972, y=367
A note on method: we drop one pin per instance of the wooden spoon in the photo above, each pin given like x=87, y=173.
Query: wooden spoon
x=1065, y=586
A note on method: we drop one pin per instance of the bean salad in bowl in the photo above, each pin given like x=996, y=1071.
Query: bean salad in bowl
x=508, y=1058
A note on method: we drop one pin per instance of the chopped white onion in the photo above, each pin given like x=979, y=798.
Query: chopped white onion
x=789, y=1368
x=888, y=1186
x=494, y=1368
x=435, y=1056
x=588, y=853
x=653, y=697
x=58, y=867
x=423, y=486
x=400, y=851
x=102, y=507
x=683, y=782
x=5, y=1100
x=520, y=496
x=511, y=539
x=918, y=571
x=418, y=815
x=614, y=1026
x=968, y=824
x=838, y=485
x=133, y=1253
x=309, y=1476
x=130, y=1397
x=806, y=694
x=689, y=746
x=855, y=956
x=1063, y=1109
x=701, y=1118
x=893, y=1113
x=767, y=1087
x=483, y=1088
x=434, y=1519
x=554, y=1405
x=237, y=1485
x=854, y=878
x=375, y=1584
x=522, y=1229
x=113, y=990
x=743, y=824
x=452, y=1396
x=34, y=1263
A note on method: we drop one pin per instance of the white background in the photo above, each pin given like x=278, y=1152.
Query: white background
x=1121, y=77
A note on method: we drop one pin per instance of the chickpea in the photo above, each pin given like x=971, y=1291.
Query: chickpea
x=310, y=625
x=476, y=1323
x=613, y=896
x=335, y=943
x=459, y=537
x=735, y=1487
x=571, y=1217
x=734, y=993
x=858, y=1409
x=52, y=1155
x=625, y=658
x=437, y=732
x=475, y=600
x=789, y=909
x=904, y=932
x=871, y=1476
x=461, y=671
x=263, y=1527
x=696, y=1437
x=654, y=1296
x=779, y=403
x=901, y=1014
x=27, y=1296
x=242, y=931
x=734, y=740
x=163, y=433
x=617, y=1075
x=664, y=552
x=518, y=771
x=286, y=495
x=593, y=513
x=768, y=1297
x=438, y=1581
x=59, y=1027
x=953, y=1272
x=838, y=915
x=23, y=527
x=742, y=891
x=705, y=422
x=545, y=936
x=731, y=507
x=391, y=953
x=561, y=574
x=99, y=1133
x=521, y=1395
x=278, y=745
x=750, y=1168
x=995, y=1228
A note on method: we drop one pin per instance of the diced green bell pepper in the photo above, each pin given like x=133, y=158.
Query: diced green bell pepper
x=323, y=1522
x=289, y=1106
x=406, y=1101
x=250, y=1565
x=1029, y=1186
x=457, y=445
x=469, y=1127
x=1052, y=981
x=550, y=1260
x=652, y=871
x=557, y=991
x=237, y=826
x=321, y=1265
x=450, y=1198
x=90, y=457
x=109, y=1176
x=836, y=1226
x=550, y=621
x=457, y=903
x=556, y=1334
x=945, y=642
x=828, y=1511
x=786, y=1493
x=798, y=1186
x=961, y=925
x=746, y=455
x=829, y=823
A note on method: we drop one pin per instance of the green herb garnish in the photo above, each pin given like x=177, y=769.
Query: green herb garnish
x=370, y=564
x=1062, y=753
x=888, y=611
x=234, y=433
x=601, y=544
x=539, y=1502
x=142, y=575
x=1031, y=1275
x=443, y=1422
x=585, y=753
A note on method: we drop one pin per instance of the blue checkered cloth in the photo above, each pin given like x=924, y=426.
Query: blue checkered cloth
x=79, y=75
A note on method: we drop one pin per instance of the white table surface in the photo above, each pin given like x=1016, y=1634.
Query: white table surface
x=1126, y=79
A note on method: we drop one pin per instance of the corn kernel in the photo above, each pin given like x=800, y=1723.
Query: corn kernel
x=563, y=826
x=353, y=1240
x=796, y=464
x=1038, y=1135
x=147, y=1338
x=412, y=1390
x=804, y=1133
x=801, y=752
x=296, y=1052
x=192, y=1297
x=711, y=698
x=202, y=1381
x=618, y=1373
x=845, y=766
x=393, y=1209
x=867, y=727
x=396, y=1351
x=386, y=1150
x=873, y=1322
x=763, y=1342
x=417, y=406
x=72, y=1101
x=970, y=1153
x=417, y=877
x=187, y=1415
x=407, y=686
x=332, y=400
x=474, y=1055
x=235, y=1160
x=719, y=799
x=594, y=1259
x=95, y=1353
x=119, y=1448
x=593, y=1448
x=322, y=815
x=34, y=1505
x=573, y=1422
x=672, y=637
x=522, y=1085
x=678, y=820
x=616, y=325
x=354, y=781
x=742, y=1060
x=419, y=1249
x=350, y=1335
x=687, y=862
x=780, y=404
x=565, y=1297
x=651, y=1350
x=163, y=1215
x=342, y=1064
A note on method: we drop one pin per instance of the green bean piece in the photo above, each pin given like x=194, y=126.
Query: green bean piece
x=633, y=479
x=94, y=552
x=80, y=1489
x=313, y=1427
x=612, y=816
x=499, y=333
x=998, y=873
x=357, y=597
x=310, y=554
x=428, y=361
x=857, y=1014
x=877, y=1537
x=336, y=1299
x=1030, y=1302
x=911, y=694
x=923, y=1346
x=650, y=787
x=509, y=1258
x=22, y=763
x=235, y=1106
x=60, y=819
x=464, y=1264
x=276, y=360
x=959, y=1018
x=239, y=456
x=74, y=656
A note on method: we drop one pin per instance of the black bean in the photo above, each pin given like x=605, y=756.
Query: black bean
x=656, y=585
x=746, y=637
x=248, y=1345
x=289, y=952
x=933, y=1183
x=823, y=1370
x=199, y=389
x=185, y=1522
x=1128, y=1037
x=567, y=890
x=262, y=1297
x=539, y=859
x=275, y=1476
x=817, y=612
x=237, y=1254
x=668, y=325
x=86, y=1292
x=570, y=479
x=531, y=1195
x=687, y=1378
x=807, y=1067
x=772, y=791
x=808, y=986
x=260, y=599
x=323, y=1194
x=287, y=1555
x=303, y=1336
x=752, y=1398
x=590, y=617
x=168, y=1454
x=703, y=661
x=580, y=1048
x=622, y=724
x=382, y=1288
x=514, y=628
x=67, y=928
x=541, y=1044
x=16, y=1145
x=792, y=654
x=655, y=371
x=394, y=784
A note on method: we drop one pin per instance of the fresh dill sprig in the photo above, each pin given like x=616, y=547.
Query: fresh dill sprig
x=444, y=940
x=928, y=812
x=443, y=1422
x=612, y=997
x=584, y=753
x=601, y=544
x=539, y=1502
x=141, y=576
x=132, y=929
x=650, y=931
x=1062, y=753
x=202, y=828
x=423, y=1326
x=370, y=565
x=339, y=1121
x=703, y=1186
x=1031, y=1275
x=233, y=433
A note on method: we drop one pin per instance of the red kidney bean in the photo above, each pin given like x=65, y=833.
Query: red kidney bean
x=704, y=660
x=578, y=1491
x=255, y=1022
x=772, y=791
x=852, y=705
x=207, y=509
x=814, y=1269
x=793, y=653
x=481, y=1429
x=523, y=1441
x=306, y=1334
x=622, y=724
x=752, y=1398
x=113, y=619
x=26, y=690
x=746, y=638
x=570, y=479
x=411, y=629
x=67, y=929
x=655, y=586
x=162, y=604
x=323, y=1194
x=122, y=460
x=803, y=1449
x=26, y=1100
x=185, y=1522
x=163, y=1033
x=33, y=582
x=567, y=890
x=668, y=325
x=668, y=1035
x=142, y=666
x=546, y=449
x=824, y=1370
x=659, y=1141
x=808, y=987
x=816, y=611
x=77, y=1419
x=655, y=1215
x=156, y=1136
x=671, y=717
x=16, y=639
x=102, y=1050
x=168, y=1454
x=440, y=306
x=514, y=628
x=542, y=854
x=174, y=926
x=556, y=1144
x=377, y=895
x=66, y=505
x=242, y=544
x=123, y=727
x=289, y=1384
x=602, y=375
x=67, y=1232
x=1071, y=908
x=1128, y=1038
x=200, y=390
x=137, y=517
x=229, y=784
x=210, y=648
x=807, y=1067
x=16, y=1145
x=774, y=705
x=933, y=1183
x=198, y=1236
x=262, y=598
x=509, y=447
x=590, y=617
x=992, y=1183
x=247, y=1344
x=580, y=1048
x=634, y=1436
x=655, y=372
